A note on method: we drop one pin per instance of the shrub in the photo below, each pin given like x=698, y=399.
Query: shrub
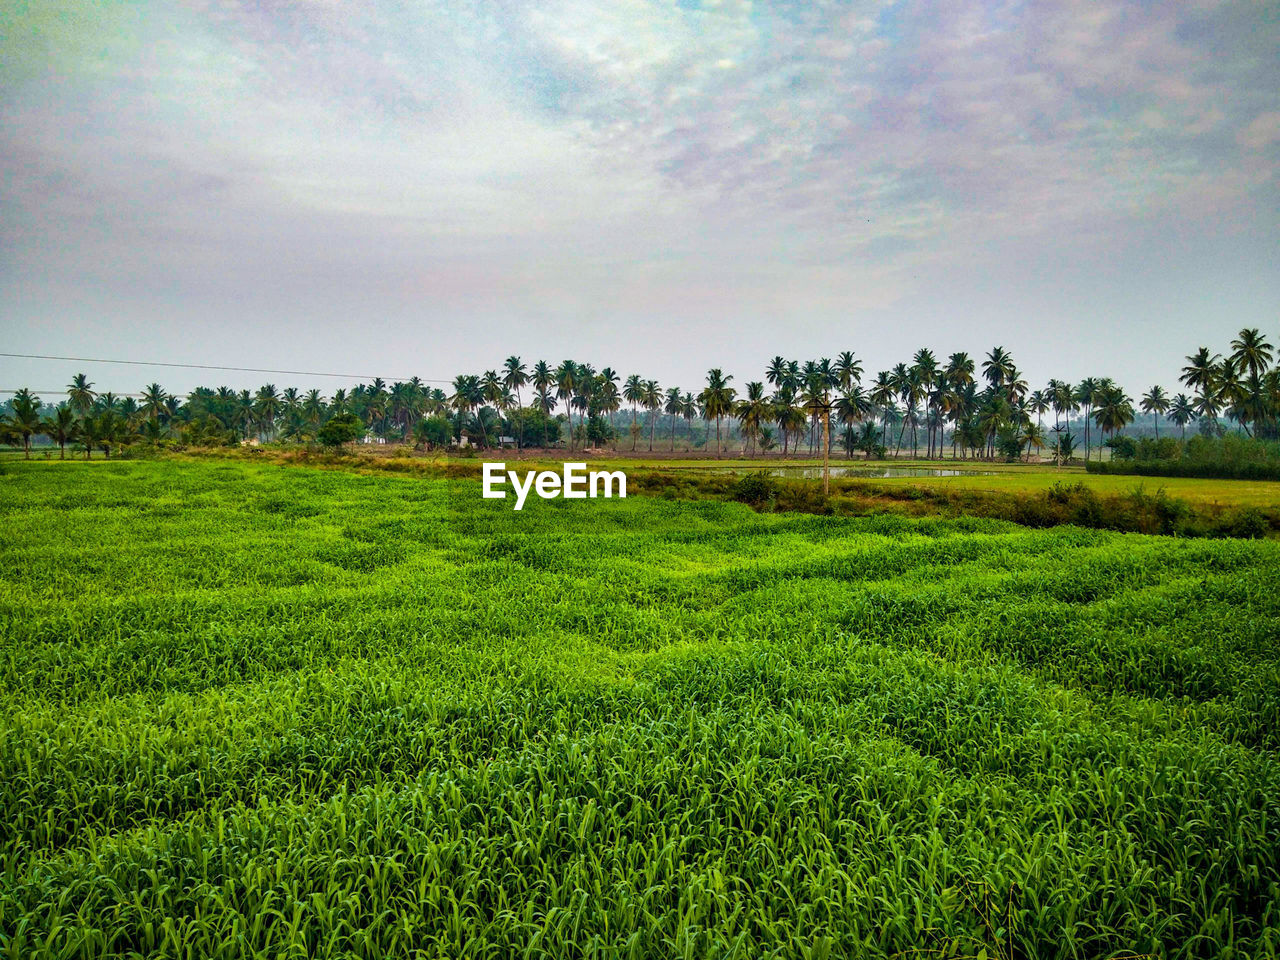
x=1245, y=522
x=1230, y=457
x=757, y=489
x=340, y=429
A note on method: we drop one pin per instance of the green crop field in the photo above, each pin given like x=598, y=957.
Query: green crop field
x=985, y=475
x=273, y=711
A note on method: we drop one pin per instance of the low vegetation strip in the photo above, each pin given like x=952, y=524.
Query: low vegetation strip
x=1187, y=468
x=1029, y=496
x=257, y=711
x=1137, y=510
x=1228, y=458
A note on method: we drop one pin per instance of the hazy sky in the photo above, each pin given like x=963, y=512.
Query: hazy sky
x=424, y=188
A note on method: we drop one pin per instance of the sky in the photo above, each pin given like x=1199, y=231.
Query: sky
x=399, y=189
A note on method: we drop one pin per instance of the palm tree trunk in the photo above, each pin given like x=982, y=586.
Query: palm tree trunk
x=673, y=433
x=653, y=426
x=826, y=451
x=717, y=438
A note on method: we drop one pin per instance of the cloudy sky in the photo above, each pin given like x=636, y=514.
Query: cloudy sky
x=392, y=189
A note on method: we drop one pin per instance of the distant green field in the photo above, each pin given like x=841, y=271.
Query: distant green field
x=285, y=712
x=1225, y=492
x=978, y=475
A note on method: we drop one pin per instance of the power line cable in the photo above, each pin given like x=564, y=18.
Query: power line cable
x=210, y=366
x=59, y=390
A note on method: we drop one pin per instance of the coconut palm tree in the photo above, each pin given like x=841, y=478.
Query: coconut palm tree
x=717, y=399
x=1200, y=371
x=1155, y=403
x=26, y=418
x=906, y=388
x=89, y=434
x=62, y=428
x=633, y=393
x=781, y=402
x=689, y=410
x=882, y=394
x=1254, y=405
x=1228, y=386
x=673, y=408
x=80, y=394
x=514, y=378
x=652, y=400
x=852, y=407
x=776, y=372
x=463, y=398
x=1251, y=352
x=313, y=410
x=340, y=403
x=1112, y=409
x=583, y=391
x=998, y=368
x=1207, y=407
x=1039, y=403
x=1086, y=393
x=792, y=422
x=566, y=378
x=925, y=368
x=546, y=401
x=848, y=371
x=111, y=430
x=266, y=408
x=1032, y=435
x=752, y=411
x=1181, y=412
x=491, y=387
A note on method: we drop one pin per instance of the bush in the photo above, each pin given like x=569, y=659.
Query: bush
x=340, y=429
x=1231, y=457
x=431, y=432
x=1166, y=448
x=1123, y=448
x=757, y=489
x=1009, y=443
x=1186, y=468
x=1246, y=522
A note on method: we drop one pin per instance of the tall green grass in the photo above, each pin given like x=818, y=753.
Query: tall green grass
x=279, y=712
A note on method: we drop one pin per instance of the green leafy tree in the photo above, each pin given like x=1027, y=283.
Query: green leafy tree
x=340, y=429
x=433, y=431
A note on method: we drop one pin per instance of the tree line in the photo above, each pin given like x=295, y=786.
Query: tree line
x=975, y=408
